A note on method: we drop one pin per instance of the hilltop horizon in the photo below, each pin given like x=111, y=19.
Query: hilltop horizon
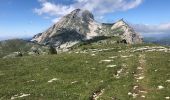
x=84, y=50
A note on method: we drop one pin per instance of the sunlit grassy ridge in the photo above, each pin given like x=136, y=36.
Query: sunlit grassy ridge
x=106, y=69
x=14, y=45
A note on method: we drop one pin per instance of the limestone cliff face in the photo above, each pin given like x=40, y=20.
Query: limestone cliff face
x=126, y=32
x=74, y=27
x=80, y=25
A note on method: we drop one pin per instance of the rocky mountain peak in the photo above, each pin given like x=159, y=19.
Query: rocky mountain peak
x=119, y=23
x=127, y=32
x=76, y=11
x=76, y=26
x=80, y=25
x=85, y=15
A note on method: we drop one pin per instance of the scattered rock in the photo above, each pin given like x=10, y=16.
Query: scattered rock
x=93, y=54
x=167, y=98
x=19, y=96
x=101, y=81
x=160, y=87
x=54, y=79
x=156, y=70
x=74, y=82
x=77, y=52
x=31, y=81
x=111, y=66
x=143, y=91
x=139, y=68
x=86, y=62
x=151, y=49
x=135, y=87
x=105, y=61
x=129, y=93
x=97, y=94
x=167, y=81
x=118, y=73
x=113, y=57
x=140, y=78
x=93, y=68
x=134, y=95
x=126, y=56
x=143, y=96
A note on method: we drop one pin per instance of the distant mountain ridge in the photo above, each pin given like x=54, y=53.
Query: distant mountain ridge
x=80, y=25
x=160, y=40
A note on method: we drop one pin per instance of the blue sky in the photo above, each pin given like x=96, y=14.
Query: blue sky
x=25, y=18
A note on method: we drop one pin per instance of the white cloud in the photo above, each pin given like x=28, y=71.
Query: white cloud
x=98, y=7
x=100, y=17
x=152, y=29
x=107, y=6
x=42, y=0
x=56, y=20
x=132, y=4
x=53, y=9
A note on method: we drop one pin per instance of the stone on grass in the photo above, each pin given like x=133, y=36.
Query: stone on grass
x=19, y=96
x=54, y=79
x=168, y=81
x=111, y=66
x=160, y=87
x=167, y=98
x=105, y=61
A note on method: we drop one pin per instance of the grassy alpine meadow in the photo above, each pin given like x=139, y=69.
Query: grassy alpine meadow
x=89, y=72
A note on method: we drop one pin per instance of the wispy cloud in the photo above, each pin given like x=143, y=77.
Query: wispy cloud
x=98, y=7
x=107, y=6
x=152, y=29
x=52, y=9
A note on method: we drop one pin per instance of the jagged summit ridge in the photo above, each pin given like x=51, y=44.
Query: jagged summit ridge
x=80, y=25
x=119, y=24
x=127, y=32
x=85, y=15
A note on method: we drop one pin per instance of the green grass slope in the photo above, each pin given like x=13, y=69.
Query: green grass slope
x=13, y=45
x=95, y=71
x=8, y=47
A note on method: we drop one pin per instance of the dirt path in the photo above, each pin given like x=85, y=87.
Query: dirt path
x=138, y=91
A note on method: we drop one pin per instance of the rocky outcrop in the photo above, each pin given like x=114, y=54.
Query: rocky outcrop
x=80, y=25
x=126, y=32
